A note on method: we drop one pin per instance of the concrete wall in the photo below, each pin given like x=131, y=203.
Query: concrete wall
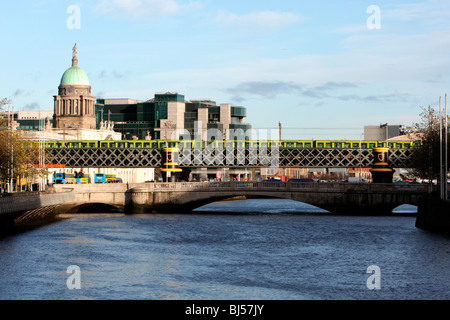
x=434, y=215
x=17, y=203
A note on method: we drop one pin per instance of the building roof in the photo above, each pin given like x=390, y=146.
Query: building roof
x=75, y=75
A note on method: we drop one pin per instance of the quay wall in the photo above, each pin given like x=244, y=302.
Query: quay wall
x=19, y=209
x=434, y=215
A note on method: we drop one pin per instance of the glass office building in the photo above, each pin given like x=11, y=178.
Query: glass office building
x=171, y=111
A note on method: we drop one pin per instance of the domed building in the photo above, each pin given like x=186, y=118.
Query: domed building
x=74, y=107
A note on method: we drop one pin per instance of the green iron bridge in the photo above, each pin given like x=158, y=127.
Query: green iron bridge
x=98, y=157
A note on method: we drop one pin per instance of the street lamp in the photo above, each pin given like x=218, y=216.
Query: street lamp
x=167, y=125
x=386, y=132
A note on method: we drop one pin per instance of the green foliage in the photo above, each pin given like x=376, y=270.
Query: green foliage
x=426, y=159
x=16, y=152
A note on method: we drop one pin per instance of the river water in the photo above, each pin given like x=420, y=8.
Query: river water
x=272, y=253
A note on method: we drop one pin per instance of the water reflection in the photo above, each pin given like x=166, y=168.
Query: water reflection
x=405, y=208
x=278, y=206
x=264, y=206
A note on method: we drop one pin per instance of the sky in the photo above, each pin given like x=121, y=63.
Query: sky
x=320, y=68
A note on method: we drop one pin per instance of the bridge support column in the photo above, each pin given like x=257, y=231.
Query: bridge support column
x=381, y=172
x=170, y=170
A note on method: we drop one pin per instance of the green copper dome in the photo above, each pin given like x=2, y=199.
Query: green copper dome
x=75, y=75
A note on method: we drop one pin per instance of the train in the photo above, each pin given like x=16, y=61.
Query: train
x=199, y=144
x=82, y=178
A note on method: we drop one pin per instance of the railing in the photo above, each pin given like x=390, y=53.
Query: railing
x=281, y=186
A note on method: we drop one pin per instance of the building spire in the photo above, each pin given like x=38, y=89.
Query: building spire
x=74, y=56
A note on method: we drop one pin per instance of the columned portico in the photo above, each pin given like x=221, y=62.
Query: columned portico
x=74, y=107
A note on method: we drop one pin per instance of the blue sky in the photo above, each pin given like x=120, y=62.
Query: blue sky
x=308, y=64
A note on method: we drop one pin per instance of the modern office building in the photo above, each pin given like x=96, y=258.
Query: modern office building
x=169, y=115
x=383, y=132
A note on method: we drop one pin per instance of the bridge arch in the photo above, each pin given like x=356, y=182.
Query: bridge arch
x=93, y=207
x=235, y=204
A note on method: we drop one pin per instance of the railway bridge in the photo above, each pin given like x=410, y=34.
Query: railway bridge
x=285, y=157
x=181, y=197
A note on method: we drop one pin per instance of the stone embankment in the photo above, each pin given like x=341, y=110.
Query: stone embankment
x=31, y=208
x=434, y=215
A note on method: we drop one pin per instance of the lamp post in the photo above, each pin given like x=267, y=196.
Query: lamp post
x=446, y=150
x=386, y=132
x=12, y=150
x=360, y=157
x=167, y=125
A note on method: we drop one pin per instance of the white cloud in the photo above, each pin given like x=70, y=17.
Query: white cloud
x=144, y=8
x=270, y=19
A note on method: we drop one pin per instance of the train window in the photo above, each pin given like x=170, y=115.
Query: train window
x=58, y=145
x=398, y=145
x=391, y=144
x=338, y=145
x=371, y=145
x=91, y=144
x=307, y=144
x=347, y=145
x=121, y=145
x=328, y=145
x=299, y=145
x=407, y=145
x=355, y=145
x=50, y=145
x=380, y=144
x=103, y=145
x=320, y=145
x=364, y=145
x=138, y=145
x=289, y=144
x=83, y=144
x=147, y=145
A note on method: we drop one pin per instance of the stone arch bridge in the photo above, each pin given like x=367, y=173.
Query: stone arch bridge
x=180, y=197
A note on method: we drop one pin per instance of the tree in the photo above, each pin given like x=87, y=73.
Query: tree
x=426, y=158
x=19, y=157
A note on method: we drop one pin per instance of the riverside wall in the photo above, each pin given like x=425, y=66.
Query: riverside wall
x=433, y=214
x=31, y=208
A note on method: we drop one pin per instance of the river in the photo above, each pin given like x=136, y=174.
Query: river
x=267, y=252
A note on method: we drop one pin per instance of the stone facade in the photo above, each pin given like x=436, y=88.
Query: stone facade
x=74, y=107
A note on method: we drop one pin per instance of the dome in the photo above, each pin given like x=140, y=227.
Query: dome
x=75, y=75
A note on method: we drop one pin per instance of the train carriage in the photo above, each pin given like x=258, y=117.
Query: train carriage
x=233, y=144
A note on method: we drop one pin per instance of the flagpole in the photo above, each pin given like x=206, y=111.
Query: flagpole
x=446, y=152
x=441, y=173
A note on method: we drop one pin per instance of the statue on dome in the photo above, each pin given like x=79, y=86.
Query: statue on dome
x=74, y=56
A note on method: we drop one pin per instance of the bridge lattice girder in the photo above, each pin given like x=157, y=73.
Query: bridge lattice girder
x=283, y=157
